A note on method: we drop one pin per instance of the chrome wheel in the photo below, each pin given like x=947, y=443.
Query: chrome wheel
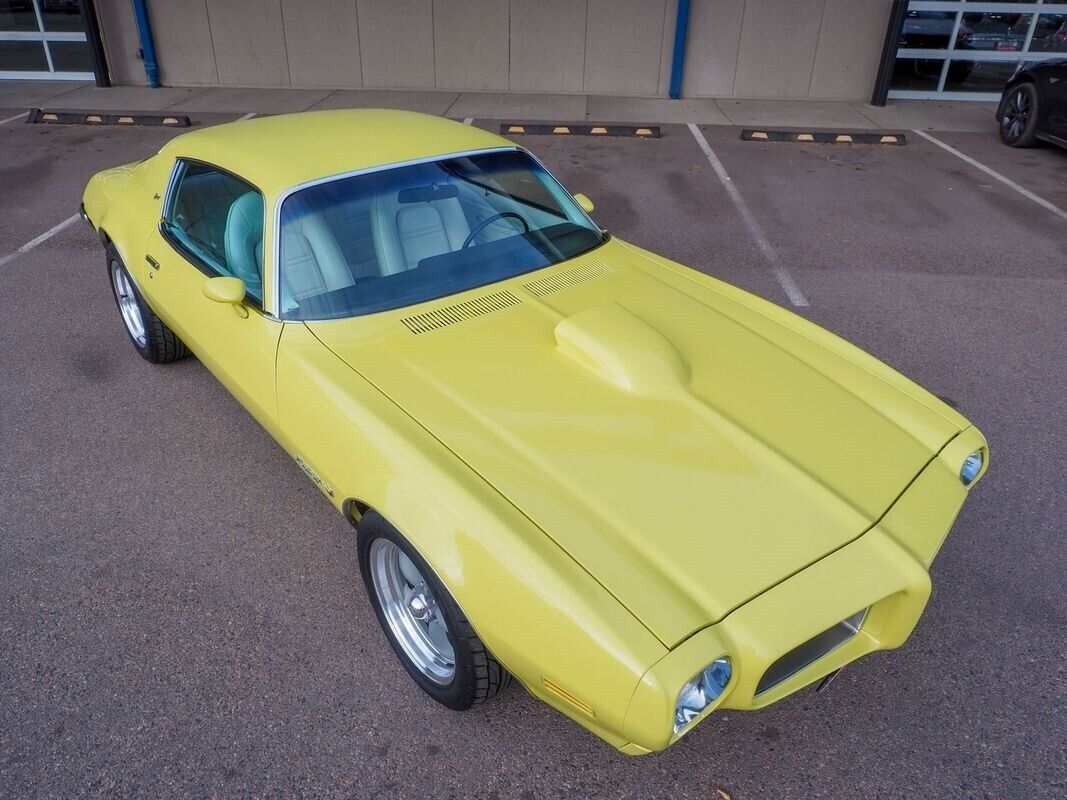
x=128, y=306
x=1017, y=112
x=411, y=610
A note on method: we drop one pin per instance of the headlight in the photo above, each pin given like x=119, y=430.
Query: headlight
x=972, y=465
x=701, y=691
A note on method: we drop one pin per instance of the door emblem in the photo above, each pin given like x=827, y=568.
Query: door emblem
x=314, y=476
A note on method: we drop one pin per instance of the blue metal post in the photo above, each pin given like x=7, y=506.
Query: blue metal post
x=678, y=63
x=148, y=46
x=681, y=29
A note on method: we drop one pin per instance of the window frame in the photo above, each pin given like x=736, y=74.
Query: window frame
x=276, y=294
x=950, y=54
x=170, y=196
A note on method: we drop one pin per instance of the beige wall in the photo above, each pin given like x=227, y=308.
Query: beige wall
x=736, y=48
x=824, y=49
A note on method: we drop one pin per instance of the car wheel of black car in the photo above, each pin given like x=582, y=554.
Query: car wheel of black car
x=153, y=339
x=425, y=626
x=1018, y=116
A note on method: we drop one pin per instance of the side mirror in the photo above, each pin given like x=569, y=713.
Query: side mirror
x=225, y=290
x=585, y=203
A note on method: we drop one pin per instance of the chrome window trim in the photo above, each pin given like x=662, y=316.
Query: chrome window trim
x=563, y=189
x=169, y=191
x=276, y=244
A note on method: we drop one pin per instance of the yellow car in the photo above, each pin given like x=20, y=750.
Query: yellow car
x=642, y=492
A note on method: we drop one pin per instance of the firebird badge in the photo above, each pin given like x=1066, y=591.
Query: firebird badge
x=314, y=476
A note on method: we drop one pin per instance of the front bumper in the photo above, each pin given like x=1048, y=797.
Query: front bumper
x=884, y=571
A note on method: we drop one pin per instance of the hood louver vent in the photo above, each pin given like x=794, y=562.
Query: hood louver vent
x=571, y=277
x=469, y=309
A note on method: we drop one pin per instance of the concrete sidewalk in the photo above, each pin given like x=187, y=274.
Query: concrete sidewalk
x=900, y=114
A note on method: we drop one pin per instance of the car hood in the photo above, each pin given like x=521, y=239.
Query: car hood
x=684, y=446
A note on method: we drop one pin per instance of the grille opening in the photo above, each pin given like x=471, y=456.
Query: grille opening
x=811, y=651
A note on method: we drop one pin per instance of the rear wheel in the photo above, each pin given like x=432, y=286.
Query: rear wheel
x=150, y=336
x=1018, y=116
x=425, y=626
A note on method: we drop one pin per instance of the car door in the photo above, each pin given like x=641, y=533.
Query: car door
x=1054, y=85
x=212, y=226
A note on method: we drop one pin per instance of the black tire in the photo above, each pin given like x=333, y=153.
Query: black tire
x=959, y=71
x=160, y=345
x=1017, y=115
x=478, y=676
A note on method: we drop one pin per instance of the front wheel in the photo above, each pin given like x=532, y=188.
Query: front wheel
x=1018, y=116
x=425, y=626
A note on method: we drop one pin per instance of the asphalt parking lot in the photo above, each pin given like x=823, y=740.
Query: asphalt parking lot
x=181, y=612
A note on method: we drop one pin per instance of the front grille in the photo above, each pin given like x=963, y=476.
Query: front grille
x=811, y=651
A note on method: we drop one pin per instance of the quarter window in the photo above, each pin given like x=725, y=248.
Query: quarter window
x=217, y=220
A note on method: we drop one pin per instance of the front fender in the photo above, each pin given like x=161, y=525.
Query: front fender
x=560, y=633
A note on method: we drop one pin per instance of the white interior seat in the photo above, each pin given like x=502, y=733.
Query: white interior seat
x=244, y=242
x=349, y=220
x=312, y=262
x=406, y=233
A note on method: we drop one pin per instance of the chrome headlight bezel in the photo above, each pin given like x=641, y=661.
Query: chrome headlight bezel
x=701, y=691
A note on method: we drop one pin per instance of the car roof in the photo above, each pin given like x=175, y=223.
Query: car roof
x=280, y=152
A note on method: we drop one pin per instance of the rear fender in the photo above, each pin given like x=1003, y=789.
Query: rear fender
x=125, y=203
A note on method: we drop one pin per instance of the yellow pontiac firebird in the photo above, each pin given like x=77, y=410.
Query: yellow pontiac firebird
x=640, y=491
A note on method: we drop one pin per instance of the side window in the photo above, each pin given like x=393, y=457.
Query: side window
x=218, y=220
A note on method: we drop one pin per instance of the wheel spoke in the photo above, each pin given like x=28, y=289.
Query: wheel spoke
x=128, y=306
x=437, y=632
x=411, y=612
x=408, y=569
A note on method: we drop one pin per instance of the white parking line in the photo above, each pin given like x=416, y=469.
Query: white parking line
x=468, y=120
x=781, y=274
x=249, y=115
x=32, y=243
x=12, y=119
x=992, y=173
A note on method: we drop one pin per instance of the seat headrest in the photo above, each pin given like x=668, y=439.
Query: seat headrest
x=244, y=241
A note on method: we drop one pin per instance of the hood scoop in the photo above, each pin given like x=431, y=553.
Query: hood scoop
x=458, y=312
x=624, y=350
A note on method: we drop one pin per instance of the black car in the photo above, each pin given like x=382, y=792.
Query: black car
x=1034, y=105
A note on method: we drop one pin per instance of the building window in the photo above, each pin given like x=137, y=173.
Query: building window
x=44, y=39
x=963, y=49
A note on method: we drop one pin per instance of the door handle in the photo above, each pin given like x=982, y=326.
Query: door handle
x=152, y=262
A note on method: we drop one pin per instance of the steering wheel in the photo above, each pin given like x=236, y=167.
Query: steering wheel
x=489, y=221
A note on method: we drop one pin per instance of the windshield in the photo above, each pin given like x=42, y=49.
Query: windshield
x=395, y=237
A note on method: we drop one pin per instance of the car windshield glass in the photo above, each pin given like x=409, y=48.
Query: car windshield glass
x=395, y=237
